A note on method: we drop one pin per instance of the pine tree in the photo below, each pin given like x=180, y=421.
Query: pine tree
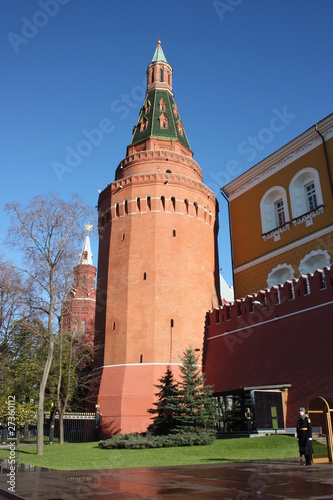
x=167, y=406
x=198, y=405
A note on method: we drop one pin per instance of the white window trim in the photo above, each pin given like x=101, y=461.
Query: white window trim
x=278, y=268
x=297, y=193
x=267, y=208
x=314, y=253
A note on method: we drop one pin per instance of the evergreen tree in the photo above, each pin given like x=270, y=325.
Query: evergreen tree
x=198, y=405
x=167, y=406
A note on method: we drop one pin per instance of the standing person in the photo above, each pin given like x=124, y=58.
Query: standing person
x=304, y=437
x=249, y=420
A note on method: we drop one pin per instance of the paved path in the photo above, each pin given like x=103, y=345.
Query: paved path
x=246, y=481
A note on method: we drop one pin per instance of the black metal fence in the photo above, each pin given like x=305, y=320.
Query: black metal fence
x=78, y=428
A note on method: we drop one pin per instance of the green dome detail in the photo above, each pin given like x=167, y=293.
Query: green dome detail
x=153, y=120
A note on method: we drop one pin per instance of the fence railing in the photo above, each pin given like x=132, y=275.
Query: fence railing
x=78, y=428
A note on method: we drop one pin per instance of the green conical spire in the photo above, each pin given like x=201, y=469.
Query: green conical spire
x=159, y=54
x=159, y=117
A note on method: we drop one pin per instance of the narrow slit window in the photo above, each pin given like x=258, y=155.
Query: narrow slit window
x=311, y=197
x=279, y=213
x=174, y=233
x=83, y=329
x=144, y=276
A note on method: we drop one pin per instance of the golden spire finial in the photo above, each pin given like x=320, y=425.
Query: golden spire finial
x=158, y=43
x=88, y=227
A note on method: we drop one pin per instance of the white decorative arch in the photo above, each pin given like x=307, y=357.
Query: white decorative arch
x=317, y=259
x=297, y=191
x=269, y=219
x=280, y=274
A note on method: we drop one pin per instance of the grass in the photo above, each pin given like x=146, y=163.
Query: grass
x=85, y=456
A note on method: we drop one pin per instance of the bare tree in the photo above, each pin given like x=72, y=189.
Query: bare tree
x=47, y=231
x=14, y=297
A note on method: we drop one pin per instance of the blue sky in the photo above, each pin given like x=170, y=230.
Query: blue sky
x=71, y=66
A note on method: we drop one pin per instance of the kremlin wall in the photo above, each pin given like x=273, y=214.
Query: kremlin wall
x=278, y=339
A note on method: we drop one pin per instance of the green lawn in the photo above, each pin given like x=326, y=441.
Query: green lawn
x=90, y=456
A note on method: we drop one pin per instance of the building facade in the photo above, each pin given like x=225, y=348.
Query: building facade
x=288, y=197
x=78, y=310
x=158, y=260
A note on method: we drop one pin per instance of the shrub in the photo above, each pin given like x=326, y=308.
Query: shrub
x=136, y=441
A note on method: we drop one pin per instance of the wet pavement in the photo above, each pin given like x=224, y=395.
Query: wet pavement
x=241, y=481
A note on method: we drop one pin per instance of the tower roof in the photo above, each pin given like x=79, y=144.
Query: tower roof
x=86, y=256
x=159, y=54
x=159, y=117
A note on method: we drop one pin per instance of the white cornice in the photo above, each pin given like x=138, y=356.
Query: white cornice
x=280, y=159
x=283, y=249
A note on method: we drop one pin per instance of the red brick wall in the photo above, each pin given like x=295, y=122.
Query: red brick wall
x=286, y=339
x=157, y=264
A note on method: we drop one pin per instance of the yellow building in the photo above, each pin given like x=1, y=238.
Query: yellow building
x=281, y=213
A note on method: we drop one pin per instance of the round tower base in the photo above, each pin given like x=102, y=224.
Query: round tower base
x=125, y=395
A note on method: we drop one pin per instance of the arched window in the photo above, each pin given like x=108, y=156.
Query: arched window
x=117, y=209
x=143, y=124
x=280, y=274
x=161, y=104
x=305, y=192
x=147, y=106
x=173, y=201
x=161, y=74
x=126, y=207
x=317, y=259
x=163, y=119
x=274, y=209
x=175, y=110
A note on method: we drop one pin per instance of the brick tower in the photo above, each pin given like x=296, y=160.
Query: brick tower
x=78, y=310
x=158, y=261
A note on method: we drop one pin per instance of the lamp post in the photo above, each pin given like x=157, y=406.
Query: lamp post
x=52, y=422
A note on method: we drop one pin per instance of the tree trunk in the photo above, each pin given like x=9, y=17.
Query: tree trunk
x=40, y=414
x=61, y=426
x=18, y=428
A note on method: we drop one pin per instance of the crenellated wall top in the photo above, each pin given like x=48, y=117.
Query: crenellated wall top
x=271, y=304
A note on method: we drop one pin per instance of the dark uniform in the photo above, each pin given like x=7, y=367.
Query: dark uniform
x=249, y=420
x=304, y=436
